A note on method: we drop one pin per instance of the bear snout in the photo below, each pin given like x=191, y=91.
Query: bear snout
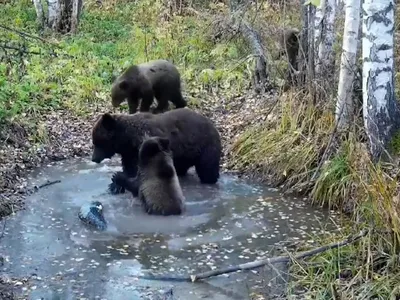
x=97, y=156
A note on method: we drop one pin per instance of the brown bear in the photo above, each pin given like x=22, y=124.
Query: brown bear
x=194, y=141
x=156, y=78
x=156, y=182
x=289, y=45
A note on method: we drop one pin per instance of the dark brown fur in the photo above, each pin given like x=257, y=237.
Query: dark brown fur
x=289, y=45
x=194, y=141
x=157, y=78
x=156, y=183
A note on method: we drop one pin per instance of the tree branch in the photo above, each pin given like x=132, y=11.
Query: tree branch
x=24, y=34
x=263, y=262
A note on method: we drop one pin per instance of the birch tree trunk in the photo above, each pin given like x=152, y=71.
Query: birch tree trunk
x=319, y=16
x=344, y=106
x=39, y=13
x=304, y=44
x=324, y=36
x=311, y=51
x=76, y=8
x=54, y=14
x=379, y=105
x=62, y=15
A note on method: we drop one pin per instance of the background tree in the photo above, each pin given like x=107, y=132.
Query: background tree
x=345, y=107
x=62, y=15
x=325, y=36
x=379, y=105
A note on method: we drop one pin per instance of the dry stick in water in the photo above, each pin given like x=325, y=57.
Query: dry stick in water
x=263, y=262
x=278, y=259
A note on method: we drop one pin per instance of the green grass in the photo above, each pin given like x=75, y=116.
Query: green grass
x=77, y=73
x=108, y=41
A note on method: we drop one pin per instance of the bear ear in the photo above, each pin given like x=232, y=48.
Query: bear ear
x=108, y=121
x=123, y=85
x=164, y=143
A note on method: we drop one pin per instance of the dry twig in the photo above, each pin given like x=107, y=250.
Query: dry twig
x=263, y=262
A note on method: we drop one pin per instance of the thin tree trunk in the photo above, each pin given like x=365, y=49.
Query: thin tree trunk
x=311, y=51
x=260, y=70
x=327, y=37
x=253, y=39
x=54, y=14
x=39, y=13
x=76, y=7
x=345, y=106
x=318, y=27
x=379, y=105
x=304, y=44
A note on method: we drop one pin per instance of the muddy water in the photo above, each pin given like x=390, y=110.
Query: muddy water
x=232, y=222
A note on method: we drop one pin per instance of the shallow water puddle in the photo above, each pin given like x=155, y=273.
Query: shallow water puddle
x=230, y=223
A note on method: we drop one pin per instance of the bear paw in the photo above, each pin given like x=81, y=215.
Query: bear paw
x=114, y=187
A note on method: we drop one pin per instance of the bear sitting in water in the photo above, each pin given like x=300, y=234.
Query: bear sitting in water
x=156, y=183
x=194, y=141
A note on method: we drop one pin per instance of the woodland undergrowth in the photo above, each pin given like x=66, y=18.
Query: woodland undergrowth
x=74, y=74
x=290, y=152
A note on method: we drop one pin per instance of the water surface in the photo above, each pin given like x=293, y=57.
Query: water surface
x=233, y=222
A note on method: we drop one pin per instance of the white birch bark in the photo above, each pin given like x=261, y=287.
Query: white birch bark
x=324, y=35
x=75, y=15
x=311, y=51
x=379, y=106
x=344, y=106
x=54, y=13
x=39, y=12
x=318, y=21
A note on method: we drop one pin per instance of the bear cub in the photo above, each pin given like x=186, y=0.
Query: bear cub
x=156, y=78
x=156, y=183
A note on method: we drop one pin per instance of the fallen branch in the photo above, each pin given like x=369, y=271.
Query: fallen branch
x=24, y=34
x=19, y=49
x=263, y=262
x=278, y=259
x=46, y=184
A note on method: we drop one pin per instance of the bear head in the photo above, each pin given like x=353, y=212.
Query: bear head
x=153, y=146
x=119, y=92
x=125, y=85
x=104, y=138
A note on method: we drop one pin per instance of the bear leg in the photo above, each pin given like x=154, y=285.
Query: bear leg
x=181, y=168
x=114, y=187
x=162, y=105
x=178, y=100
x=133, y=104
x=207, y=168
x=129, y=170
x=122, y=181
x=147, y=100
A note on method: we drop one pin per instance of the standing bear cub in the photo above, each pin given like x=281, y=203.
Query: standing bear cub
x=156, y=183
x=157, y=78
x=194, y=141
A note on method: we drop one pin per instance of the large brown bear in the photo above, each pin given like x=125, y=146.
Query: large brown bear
x=194, y=141
x=156, y=78
x=156, y=183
